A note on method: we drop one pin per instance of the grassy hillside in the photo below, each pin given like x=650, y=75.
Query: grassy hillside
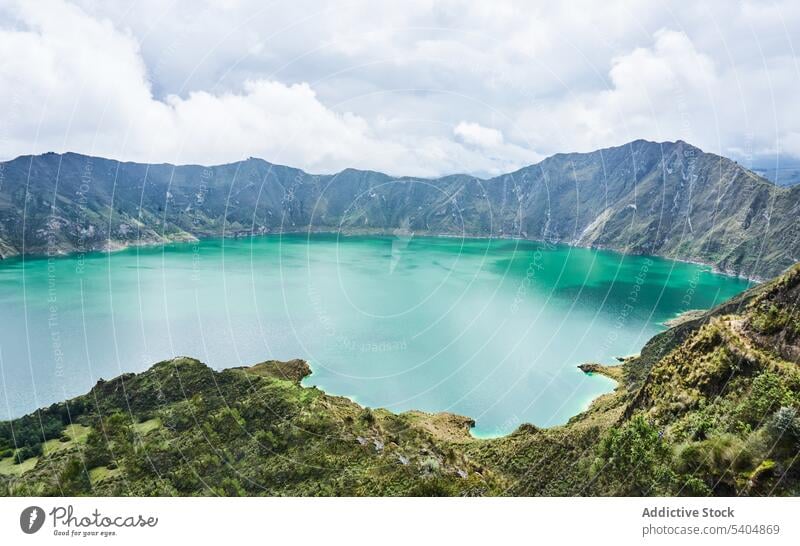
x=181, y=428
x=710, y=407
x=669, y=199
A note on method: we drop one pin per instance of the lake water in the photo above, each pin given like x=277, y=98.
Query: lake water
x=489, y=329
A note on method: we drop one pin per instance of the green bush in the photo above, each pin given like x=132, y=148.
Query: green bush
x=768, y=320
x=74, y=479
x=96, y=453
x=269, y=443
x=26, y=452
x=768, y=393
x=718, y=460
x=367, y=417
x=634, y=456
x=435, y=487
x=784, y=427
x=691, y=486
x=774, y=319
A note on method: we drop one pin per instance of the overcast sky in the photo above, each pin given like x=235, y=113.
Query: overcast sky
x=413, y=87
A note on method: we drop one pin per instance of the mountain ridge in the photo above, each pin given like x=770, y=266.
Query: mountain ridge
x=356, y=169
x=669, y=199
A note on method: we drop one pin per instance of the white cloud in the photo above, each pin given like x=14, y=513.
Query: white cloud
x=671, y=90
x=653, y=94
x=477, y=134
x=421, y=87
x=76, y=83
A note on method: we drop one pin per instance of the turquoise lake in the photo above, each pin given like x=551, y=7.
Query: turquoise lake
x=492, y=329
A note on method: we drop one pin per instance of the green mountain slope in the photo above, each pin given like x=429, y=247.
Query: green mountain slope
x=709, y=407
x=181, y=428
x=668, y=199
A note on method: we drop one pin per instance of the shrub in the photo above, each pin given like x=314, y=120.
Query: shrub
x=26, y=452
x=727, y=452
x=367, y=417
x=634, y=455
x=773, y=319
x=437, y=487
x=74, y=479
x=230, y=487
x=769, y=320
x=180, y=416
x=768, y=393
x=718, y=459
x=692, y=486
x=699, y=425
x=431, y=465
x=96, y=452
x=269, y=442
x=784, y=426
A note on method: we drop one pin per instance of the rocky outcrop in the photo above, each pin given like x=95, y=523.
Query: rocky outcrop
x=614, y=372
x=291, y=370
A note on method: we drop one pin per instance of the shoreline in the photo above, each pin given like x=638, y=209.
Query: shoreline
x=609, y=371
x=613, y=372
x=113, y=247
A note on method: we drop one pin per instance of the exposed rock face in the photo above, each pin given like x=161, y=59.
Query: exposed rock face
x=291, y=370
x=590, y=367
x=613, y=372
x=667, y=199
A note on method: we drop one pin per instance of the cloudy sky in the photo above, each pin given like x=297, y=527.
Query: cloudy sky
x=415, y=87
